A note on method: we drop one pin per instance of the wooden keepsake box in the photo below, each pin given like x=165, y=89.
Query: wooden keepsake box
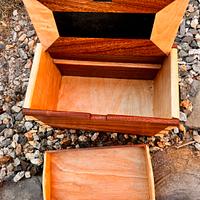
x=99, y=173
x=105, y=65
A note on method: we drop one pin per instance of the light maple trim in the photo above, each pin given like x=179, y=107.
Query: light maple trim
x=110, y=64
x=46, y=178
x=166, y=24
x=150, y=174
x=43, y=22
x=33, y=76
x=166, y=91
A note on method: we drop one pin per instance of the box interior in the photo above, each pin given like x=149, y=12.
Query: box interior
x=52, y=89
x=128, y=175
x=104, y=25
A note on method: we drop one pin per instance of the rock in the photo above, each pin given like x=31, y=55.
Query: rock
x=22, y=139
x=196, y=138
x=15, y=13
x=30, y=33
x=5, y=159
x=8, y=133
x=194, y=23
x=5, y=142
x=183, y=117
x=19, y=116
x=82, y=138
x=194, y=117
x=22, y=54
x=182, y=53
x=3, y=62
x=10, y=168
x=16, y=109
x=36, y=161
x=72, y=131
x=2, y=45
x=28, y=126
x=194, y=51
x=197, y=146
x=18, y=176
x=16, y=138
x=16, y=162
x=27, y=174
x=18, y=149
x=176, y=130
x=27, y=189
x=22, y=37
x=2, y=173
x=95, y=136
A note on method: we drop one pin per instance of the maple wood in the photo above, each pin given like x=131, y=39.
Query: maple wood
x=127, y=175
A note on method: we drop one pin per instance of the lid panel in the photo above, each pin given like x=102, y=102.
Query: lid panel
x=129, y=6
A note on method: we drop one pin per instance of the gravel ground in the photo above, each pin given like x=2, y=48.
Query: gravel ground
x=23, y=142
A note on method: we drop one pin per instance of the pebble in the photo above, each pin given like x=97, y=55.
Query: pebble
x=15, y=13
x=183, y=117
x=36, y=161
x=22, y=54
x=22, y=37
x=2, y=45
x=8, y=133
x=18, y=176
x=197, y=146
x=16, y=138
x=16, y=109
x=28, y=126
x=196, y=138
x=16, y=162
x=27, y=174
x=194, y=23
x=95, y=136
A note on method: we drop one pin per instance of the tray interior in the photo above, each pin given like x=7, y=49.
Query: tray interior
x=92, y=174
x=155, y=95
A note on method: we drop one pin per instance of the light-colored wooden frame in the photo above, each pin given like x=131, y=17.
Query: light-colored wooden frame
x=45, y=83
x=84, y=153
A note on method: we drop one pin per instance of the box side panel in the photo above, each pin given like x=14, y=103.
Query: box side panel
x=166, y=92
x=44, y=83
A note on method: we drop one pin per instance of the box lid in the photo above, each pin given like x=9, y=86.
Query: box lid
x=107, y=30
x=121, y=172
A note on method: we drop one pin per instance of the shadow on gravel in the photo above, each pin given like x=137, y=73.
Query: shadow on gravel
x=28, y=189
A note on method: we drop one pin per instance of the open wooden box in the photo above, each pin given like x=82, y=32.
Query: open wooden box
x=99, y=173
x=93, y=71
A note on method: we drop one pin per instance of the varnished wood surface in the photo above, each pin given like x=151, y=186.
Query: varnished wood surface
x=43, y=21
x=44, y=83
x=130, y=6
x=166, y=24
x=107, y=69
x=99, y=173
x=101, y=49
x=113, y=123
x=106, y=96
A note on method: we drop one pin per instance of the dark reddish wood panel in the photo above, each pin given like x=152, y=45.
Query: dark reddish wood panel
x=101, y=49
x=108, y=71
x=126, y=124
x=130, y=6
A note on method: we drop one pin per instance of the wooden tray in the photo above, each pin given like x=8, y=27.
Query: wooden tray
x=109, y=173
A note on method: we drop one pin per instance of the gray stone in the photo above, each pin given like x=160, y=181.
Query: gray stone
x=183, y=117
x=197, y=146
x=27, y=189
x=194, y=118
x=8, y=132
x=16, y=137
x=194, y=23
x=19, y=116
x=95, y=136
x=16, y=109
x=18, y=176
x=5, y=142
x=16, y=162
x=15, y=13
x=30, y=33
x=182, y=53
x=2, y=45
x=3, y=62
x=28, y=126
x=195, y=88
x=27, y=174
x=22, y=54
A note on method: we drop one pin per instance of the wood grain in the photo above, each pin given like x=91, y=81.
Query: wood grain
x=101, y=49
x=44, y=83
x=166, y=24
x=166, y=91
x=43, y=21
x=122, y=177
x=130, y=6
x=114, y=123
x=107, y=69
x=106, y=96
